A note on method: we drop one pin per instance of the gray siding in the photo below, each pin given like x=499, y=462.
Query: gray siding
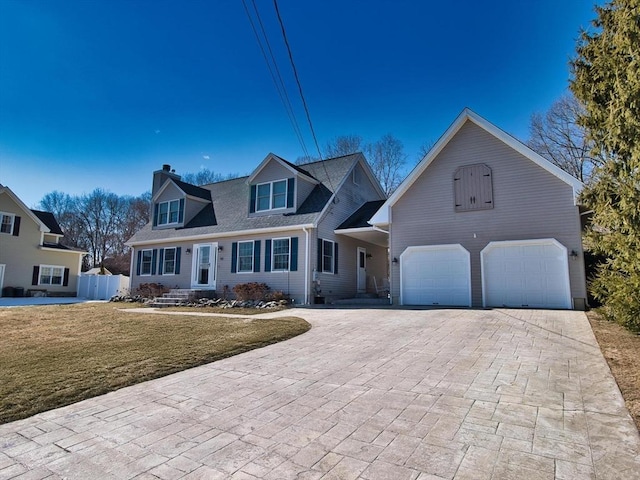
x=170, y=193
x=350, y=197
x=529, y=203
x=303, y=189
x=291, y=283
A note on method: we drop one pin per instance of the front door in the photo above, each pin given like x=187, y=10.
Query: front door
x=362, y=270
x=204, y=265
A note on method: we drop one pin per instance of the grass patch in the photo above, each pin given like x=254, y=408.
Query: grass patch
x=621, y=349
x=60, y=354
x=226, y=311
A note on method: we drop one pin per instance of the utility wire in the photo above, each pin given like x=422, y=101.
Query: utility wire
x=304, y=102
x=282, y=92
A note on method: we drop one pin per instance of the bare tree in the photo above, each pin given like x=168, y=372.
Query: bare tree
x=204, y=176
x=423, y=150
x=387, y=160
x=557, y=136
x=343, y=145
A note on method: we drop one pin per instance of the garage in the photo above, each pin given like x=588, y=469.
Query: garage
x=525, y=273
x=435, y=275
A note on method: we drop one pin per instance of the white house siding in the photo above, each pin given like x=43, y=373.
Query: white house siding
x=529, y=203
x=20, y=254
x=350, y=198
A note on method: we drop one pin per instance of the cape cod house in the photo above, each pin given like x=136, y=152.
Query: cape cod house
x=33, y=257
x=301, y=230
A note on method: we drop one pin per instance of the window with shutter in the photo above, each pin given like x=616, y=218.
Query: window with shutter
x=473, y=188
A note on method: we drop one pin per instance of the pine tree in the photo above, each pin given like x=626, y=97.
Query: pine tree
x=606, y=79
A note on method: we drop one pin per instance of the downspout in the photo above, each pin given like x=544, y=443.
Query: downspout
x=306, y=266
x=133, y=251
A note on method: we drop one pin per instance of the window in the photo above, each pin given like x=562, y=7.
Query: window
x=169, y=261
x=281, y=254
x=51, y=275
x=245, y=257
x=169, y=212
x=6, y=223
x=327, y=256
x=147, y=262
x=273, y=195
x=473, y=188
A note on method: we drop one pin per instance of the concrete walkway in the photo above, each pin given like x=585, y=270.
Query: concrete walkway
x=371, y=394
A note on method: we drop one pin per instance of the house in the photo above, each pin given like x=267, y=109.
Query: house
x=483, y=221
x=32, y=255
x=301, y=230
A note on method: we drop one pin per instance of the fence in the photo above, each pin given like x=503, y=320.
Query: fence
x=102, y=287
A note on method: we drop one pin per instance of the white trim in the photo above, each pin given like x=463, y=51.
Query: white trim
x=164, y=259
x=538, y=241
x=381, y=217
x=372, y=228
x=333, y=257
x=168, y=223
x=236, y=233
x=307, y=266
x=271, y=195
x=52, y=267
x=253, y=251
x=213, y=265
x=451, y=246
x=273, y=263
x=362, y=250
x=142, y=274
x=27, y=210
x=284, y=164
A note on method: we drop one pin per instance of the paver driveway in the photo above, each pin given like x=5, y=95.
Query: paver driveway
x=372, y=394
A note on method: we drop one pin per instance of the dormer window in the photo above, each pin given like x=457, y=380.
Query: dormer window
x=169, y=213
x=272, y=195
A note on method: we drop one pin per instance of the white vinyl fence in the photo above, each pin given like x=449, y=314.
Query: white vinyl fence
x=102, y=287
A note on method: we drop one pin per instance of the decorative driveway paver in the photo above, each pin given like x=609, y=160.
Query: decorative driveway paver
x=370, y=394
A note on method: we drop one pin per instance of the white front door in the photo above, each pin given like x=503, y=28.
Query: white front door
x=362, y=270
x=204, y=265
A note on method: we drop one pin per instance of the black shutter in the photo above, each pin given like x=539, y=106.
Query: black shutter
x=65, y=279
x=154, y=260
x=178, y=253
x=181, y=211
x=155, y=214
x=160, y=263
x=252, y=199
x=16, y=226
x=139, y=262
x=293, y=266
x=267, y=255
x=36, y=275
x=290, y=191
x=319, y=267
x=335, y=258
x=256, y=256
x=234, y=257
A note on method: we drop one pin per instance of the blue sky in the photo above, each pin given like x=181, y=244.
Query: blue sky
x=101, y=93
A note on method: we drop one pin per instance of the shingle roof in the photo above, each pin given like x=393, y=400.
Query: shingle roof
x=193, y=190
x=228, y=211
x=49, y=220
x=361, y=216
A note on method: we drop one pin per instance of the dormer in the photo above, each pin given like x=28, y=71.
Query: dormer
x=278, y=187
x=175, y=202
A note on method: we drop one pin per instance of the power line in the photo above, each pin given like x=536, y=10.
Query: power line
x=304, y=102
x=282, y=91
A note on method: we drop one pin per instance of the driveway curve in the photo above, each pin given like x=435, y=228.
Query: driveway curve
x=367, y=393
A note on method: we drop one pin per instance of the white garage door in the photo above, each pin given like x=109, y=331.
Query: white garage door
x=435, y=275
x=526, y=273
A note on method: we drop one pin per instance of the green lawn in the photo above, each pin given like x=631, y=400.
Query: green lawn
x=55, y=355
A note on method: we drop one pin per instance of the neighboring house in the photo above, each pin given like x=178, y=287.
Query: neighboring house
x=484, y=221
x=299, y=229
x=32, y=255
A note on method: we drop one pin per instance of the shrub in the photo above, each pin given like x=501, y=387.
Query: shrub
x=149, y=290
x=251, y=291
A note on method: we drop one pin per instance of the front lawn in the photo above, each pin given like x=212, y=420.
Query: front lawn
x=55, y=355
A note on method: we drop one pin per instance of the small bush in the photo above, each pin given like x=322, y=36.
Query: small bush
x=277, y=296
x=251, y=291
x=149, y=290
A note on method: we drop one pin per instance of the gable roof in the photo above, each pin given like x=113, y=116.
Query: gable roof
x=50, y=221
x=187, y=188
x=294, y=169
x=227, y=213
x=382, y=215
x=42, y=226
x=360, y=217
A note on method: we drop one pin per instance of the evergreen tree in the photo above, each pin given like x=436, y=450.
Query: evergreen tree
x=606, y=79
